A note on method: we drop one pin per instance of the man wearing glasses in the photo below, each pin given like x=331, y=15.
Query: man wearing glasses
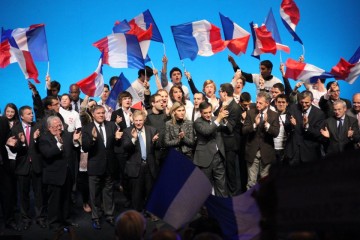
x=332, y=95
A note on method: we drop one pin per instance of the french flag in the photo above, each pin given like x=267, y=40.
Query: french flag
x=31, y=39
x=93, y=85
x=197, y=38
x=290, y=16
x=348, y=70
x=10, y=54
x=238, y=216
x=180, y=190
x=144, y=21
x=304, y=71
x=263, y=40
x=121, y=27
x=123, y=84
x=270, y=24
x=237, y=36
x=121, y=51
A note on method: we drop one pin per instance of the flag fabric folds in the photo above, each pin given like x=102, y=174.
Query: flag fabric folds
x=348, y=70
x=123, y=84
x=121, y=51
x=238, y=216
x=144, y=21
x=93, y=85
x=10, y=54
x=197, y=38
x=180, y=190
x=290, y=16
x=263, y=40
x=271, y=26
x=121, y=27
x=237, y=36
x=304, y=71
x=31, y=39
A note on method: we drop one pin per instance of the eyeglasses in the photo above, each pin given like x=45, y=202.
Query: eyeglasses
x=335, y=91
x=55, y=104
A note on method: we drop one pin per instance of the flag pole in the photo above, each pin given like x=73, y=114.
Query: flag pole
x=303, y=50
x=182, y=62
x=281, y=58
x=164, y=49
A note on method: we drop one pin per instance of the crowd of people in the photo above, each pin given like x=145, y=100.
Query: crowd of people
x=80, y=145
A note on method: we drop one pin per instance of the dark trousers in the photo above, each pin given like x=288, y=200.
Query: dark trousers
x=216, y=174
x=59, y=203
x=24, y=183
x=141, y=187
x=6, y=194
x=83, y=186
x=231, y=169
x=101, y=184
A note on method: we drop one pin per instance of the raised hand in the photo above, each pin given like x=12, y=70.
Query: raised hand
x=134, y=133
x=36, y=134
x=156, y=137
x=21, y=137
x=12, y=141
x=76, y=136
x=325, y=132
x=350, y=133
x=293, y=120
x=118, y=134
x=187, y=75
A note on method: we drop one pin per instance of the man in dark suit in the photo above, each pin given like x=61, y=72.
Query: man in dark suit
x=355, y=112
x=141, y=168
x=57, y=148
x=28, y=166
x=340, y=131
x=210, y=152
x=261, y=127
x=6, y=190
x=76, y=101
x=231, y=136
x=333, y=94
x=303, y=143
x=98, y=139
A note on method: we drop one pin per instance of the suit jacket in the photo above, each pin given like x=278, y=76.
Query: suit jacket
x=259, y=138
x=340, y=142
x=304, y=145
x=186, y=145
x=327, y=106
x=120, y=113
x=100, y=159
x=26, y=151
x=56, y=162
x=231, y=135
x=4, y=134
x=133, y=164
x=209, y=141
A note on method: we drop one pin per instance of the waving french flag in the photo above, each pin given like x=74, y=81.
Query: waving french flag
x=348, y=70
x=263, y=40
x=144, y=21
x=303, y=71
x=121, y=51
x=197, y=38
x=237, y=36
x=93, y=85
x=121, y=27
x=290, y=16
x=270, y=24
x=31, y=39
x=123, y=84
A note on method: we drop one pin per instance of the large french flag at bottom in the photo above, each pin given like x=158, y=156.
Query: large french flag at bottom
x=9, y=54
x=180, y=190
x=123, y=84
x=348, y=70
x=198, y=38
x=238, y=216
x=304, y=71
x=93, y=85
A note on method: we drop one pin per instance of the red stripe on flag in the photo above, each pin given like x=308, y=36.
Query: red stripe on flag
x=217, y=44
x=4, y=54
x=294, y=68
x=30, y=66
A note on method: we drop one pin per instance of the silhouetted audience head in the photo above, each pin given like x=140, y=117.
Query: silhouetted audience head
x=165, y=234
x=130, y=225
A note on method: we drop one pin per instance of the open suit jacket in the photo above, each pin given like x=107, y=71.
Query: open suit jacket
x=209, y=141
x=304, y=145
x=340, y=142
x=259, y=138
x=100, y=159
x=57, y=162
x=26, y=151
x=132, y=167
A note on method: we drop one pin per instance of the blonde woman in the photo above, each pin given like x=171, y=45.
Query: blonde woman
x=179, y=132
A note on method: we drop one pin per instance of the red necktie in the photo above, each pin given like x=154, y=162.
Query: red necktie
x=27, y=134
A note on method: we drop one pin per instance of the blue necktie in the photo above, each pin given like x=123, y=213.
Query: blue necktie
x=142, y=146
